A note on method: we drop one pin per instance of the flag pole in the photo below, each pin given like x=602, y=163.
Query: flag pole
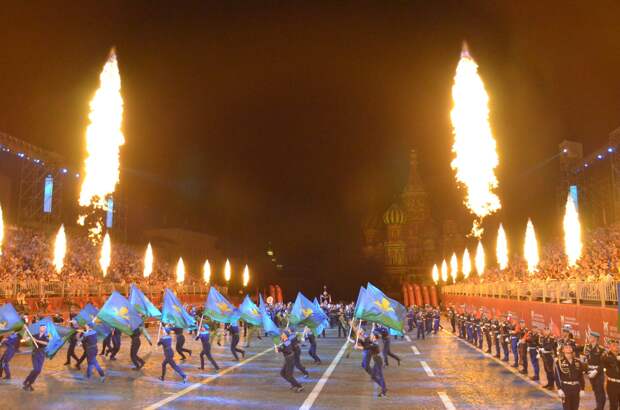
x=158, y=331
x=358, y=333
x=31, y=336
x=200, y=324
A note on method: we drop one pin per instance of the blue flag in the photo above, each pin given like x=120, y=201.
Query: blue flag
x=56, y=334
x=318, y=330
x=376, y=307
x=10, y=320
x=142, y=304
x=88, y=314
x=218, y=308
x=269, y=327
x=173, y=312
x=358, y=304
x=306, y=313
x=119, y=314
x=249, y=312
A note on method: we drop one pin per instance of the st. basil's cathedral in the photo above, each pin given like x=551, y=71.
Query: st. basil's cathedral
x=405, y=240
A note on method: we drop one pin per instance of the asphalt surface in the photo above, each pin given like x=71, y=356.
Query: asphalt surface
x=447, y=373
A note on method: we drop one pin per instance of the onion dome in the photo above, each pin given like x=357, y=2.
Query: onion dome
x=394, y=215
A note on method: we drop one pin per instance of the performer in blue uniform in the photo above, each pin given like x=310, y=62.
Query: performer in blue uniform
x=12, y=345
x=312, y=350
x=137, y=361
x=286, y=348
x=234, y=333
x=203, y=336
x=116, y=343
x=180, y=343
x=89, y=339
x=38, y=357
x=166, y=343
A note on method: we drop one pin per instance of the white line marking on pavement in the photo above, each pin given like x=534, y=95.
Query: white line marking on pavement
x=205, y=381
x=427, y=368
x=507, y=366
x=407, y=338
x=314, y=394
x=415, y=350
x=446, y=400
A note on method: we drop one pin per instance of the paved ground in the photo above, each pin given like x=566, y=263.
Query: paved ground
x=447, y=373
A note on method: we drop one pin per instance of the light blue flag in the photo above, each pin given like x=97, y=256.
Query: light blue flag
x=218, y=308
x=375, y=306
x=249, y=312
x=88, y=314
x=119, y=314
x=142, y=304
x=10, y=320
x=56, y=334
x=305, y=313
x=173, y=312
x=269, y=326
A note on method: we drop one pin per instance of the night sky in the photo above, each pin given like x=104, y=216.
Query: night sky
x=289, y=121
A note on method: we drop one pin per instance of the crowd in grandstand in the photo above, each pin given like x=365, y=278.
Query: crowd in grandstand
x=599, y=261
x=27, y=258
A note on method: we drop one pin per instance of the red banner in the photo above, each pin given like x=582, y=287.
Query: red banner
x=554, y=315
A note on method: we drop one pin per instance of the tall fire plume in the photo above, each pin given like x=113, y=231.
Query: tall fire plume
x=501, y=248
x=454, y=267
x=180, y=271
x=444, y=271
x=435, y=274
x=106, y=254
x=227, y=271
x=530, y=248
x=104, y=137
x=479, y=260
x=466, y=264
x=246, y=276
x=474, y=146
x=60, y=249
x=572, y=233
x=206, y=272
x=148, y=261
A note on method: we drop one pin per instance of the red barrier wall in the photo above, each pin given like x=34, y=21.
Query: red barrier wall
x=418, y=295
x=425, y=296
x=554, y=315
x=434, y=296
x=279, y=297
x=405, y=295
x=410, y=295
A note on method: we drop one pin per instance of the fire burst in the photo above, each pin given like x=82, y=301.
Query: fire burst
x=206, y=272
x=104, y=138
x=106, y=254
x=180, y=271
x=501, y=249
x=474, y=146
x=246, y=276
x=444, y=271
x=435, y=274
x=60, y=249
x=572, y=232
x=466, y=264
x=480, y=265
x=227, y=271
x=148, y=261
x=454, y=267
x=530, y=248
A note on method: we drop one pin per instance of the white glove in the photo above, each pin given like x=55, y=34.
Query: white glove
x=592, y=374
x=561, y=393
x=582, y=393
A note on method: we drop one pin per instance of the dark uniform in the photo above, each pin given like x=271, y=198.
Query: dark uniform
x=106, y=348
x=385, y=337
x=548, y=347
x=73, y=341
x=203, y=336
x=532, y=340
x=286, y=348
x=116, y=343
x=376, y=372
x=135, y=347
x=504, y=335
x=38, y=358
x=234, y=334
x=312, y=350
x=180, y=342
x=166, y=343
x=89, y=339
x=420, y=325
x=594, y=359
x=611, y=363
x=12, y=345
x=297, y=354
x=569, y=379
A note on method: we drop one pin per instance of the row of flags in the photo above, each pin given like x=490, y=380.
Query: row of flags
x=129, y=314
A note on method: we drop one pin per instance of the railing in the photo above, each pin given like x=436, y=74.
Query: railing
x=37, y=289
x=601, y=293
